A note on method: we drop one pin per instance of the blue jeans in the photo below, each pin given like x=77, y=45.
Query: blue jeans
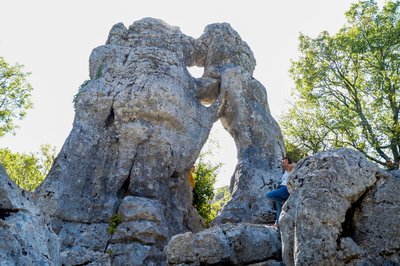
x=279, y=196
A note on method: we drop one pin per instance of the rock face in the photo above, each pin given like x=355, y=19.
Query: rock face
x=140, y=124
x=246, y=116
x=332, y=214
x=137, y=130
x=227, y=244
x=342, y=211
x=25, y=235
x=375, y=227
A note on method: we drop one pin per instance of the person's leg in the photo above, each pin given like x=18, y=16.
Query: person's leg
x=278, y=212
x=278, y=195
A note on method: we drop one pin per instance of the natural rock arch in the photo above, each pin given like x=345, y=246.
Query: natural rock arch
x=139, y=126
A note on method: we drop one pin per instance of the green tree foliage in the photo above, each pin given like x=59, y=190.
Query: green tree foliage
x=28, y=170
x=222, y=196
x=347, y=86
x=205, y=176
x=294, y=153
x=15, y=94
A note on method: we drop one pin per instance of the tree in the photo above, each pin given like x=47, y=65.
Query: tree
x=28, y=170
x=221, y=197
x=294, y=152
x=347, y=86
x=205, y=175
x=15, y=94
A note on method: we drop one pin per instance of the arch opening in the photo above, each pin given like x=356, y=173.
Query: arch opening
x=195, y=71
x=220, y=149
x=207, y=89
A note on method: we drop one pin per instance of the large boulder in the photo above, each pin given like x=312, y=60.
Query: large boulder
x=374, y=222
x=341, y=210
x=227, y=244
x=26, y=237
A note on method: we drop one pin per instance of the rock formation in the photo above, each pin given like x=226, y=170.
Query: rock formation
x=138, y=128
x=118, y=190
x=227, y=244
x=141, y=121
x=342, y=211
x=246, y=116
x=338, y=213
x=26, y=237
x=375, y=222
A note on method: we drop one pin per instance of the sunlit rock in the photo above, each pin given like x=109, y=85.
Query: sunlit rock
x=26, y=237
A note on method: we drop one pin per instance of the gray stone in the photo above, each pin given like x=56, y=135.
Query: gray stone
x=349, y=250
x=138, y=128
x=26, y=238
x=82, y=256
x=141, y=121
x=322, y=189
x=135, y=254
x=260, y=149
x=219, y=47
x=145, y=232
x=89, y=236
x=138, y=208
x=268, y=263
x=181, y=249
x=239, y=244
x=246, y=116
x=375, y=222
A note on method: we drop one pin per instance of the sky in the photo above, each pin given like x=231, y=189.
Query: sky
x=53, y=40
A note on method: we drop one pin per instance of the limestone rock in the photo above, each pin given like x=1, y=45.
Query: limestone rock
x=246, y=116
x=375, y=222
x=138, y=128
x=260, y=149
x=82, y=256
x=26, y=238
x=219, y=47
x=140, y=124
x=229, y=244
x=322, y=189
x=349, y=251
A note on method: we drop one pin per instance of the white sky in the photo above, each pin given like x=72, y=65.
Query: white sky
x=53, y=39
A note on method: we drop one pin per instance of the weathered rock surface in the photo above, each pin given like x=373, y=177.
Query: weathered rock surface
x=82, y=256
x=260, y=149
x=228, y=244
x=26, y=237
x=338, y=213
x=246, y=116
x=342, y=211
x=375, y=222
x=137, y=130
x=140, y=124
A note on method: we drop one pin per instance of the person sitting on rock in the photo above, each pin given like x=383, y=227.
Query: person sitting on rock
x=281, y=194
